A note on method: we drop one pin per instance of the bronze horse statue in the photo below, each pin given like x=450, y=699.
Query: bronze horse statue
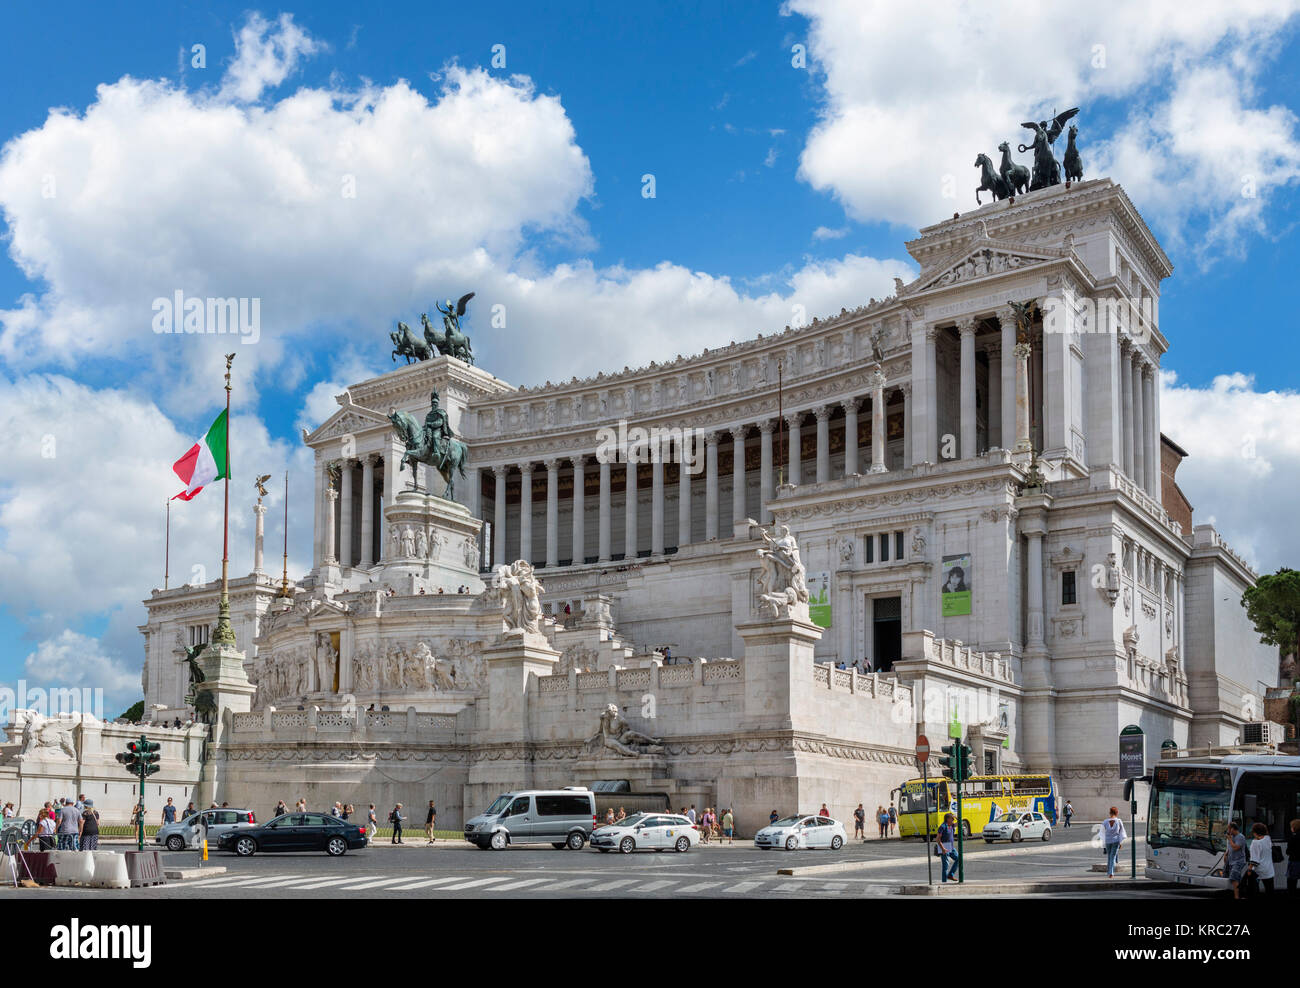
x=989, y=180
x=1073, y=163
x=205, y=708
x=407, y=344
x=1016, y=176
x=448, y=459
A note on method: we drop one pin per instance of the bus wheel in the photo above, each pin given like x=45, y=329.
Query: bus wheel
x=965, y=828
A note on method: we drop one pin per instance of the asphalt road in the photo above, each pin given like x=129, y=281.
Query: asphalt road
x=454, y=870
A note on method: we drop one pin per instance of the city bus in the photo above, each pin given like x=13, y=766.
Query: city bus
x=1195, y=793
x=984, y=798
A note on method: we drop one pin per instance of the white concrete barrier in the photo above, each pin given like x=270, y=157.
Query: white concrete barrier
x=109, y=870
x=73, y=867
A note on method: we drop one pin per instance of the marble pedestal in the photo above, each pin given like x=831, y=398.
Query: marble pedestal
x=450, y=542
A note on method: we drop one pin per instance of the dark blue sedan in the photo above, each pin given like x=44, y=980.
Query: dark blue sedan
x=296, y=832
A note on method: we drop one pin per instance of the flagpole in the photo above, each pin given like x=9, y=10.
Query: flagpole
x=167, y=552
x=284, y=579
x=225, y=634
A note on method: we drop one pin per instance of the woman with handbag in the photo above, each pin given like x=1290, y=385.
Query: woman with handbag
x=1261, y=857
x=1113, y=834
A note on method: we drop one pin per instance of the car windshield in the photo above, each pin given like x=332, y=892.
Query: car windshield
x=501, y=803
x=633, y=820
x=788, y=821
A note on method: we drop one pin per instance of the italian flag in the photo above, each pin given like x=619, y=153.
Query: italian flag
x=204, y=462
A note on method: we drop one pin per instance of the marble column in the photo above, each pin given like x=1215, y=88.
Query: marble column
x=850, y=436
x=1126, y=405
x=552, y=513
x=765, y=491
x=473, y=499
x=906, y=388
x=823, y=416
x=1151, y=462
x=606, y=514
x=966, y=330
x=1023, y=444
x=345, y=521
x=711, y=486
x=738, y=475
x=1139, y=422
x=259, y=512
x=1008, y=365
x=499, y=516
x=368, y=510
x=318, y=522
x=578, y=550
x=683, y=499
x=794, y=448
x=629, y=511
x=929, y=409
x=656, y=504
x=526, y=511
x=1034, y=592
x=878, y=434
x=994, y=354
x=331, y=502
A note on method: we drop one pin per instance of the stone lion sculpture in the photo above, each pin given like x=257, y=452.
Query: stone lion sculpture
x=47, y=737
x=617, y=735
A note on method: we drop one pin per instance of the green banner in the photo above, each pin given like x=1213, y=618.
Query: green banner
x=819, y=598
x=956, y=590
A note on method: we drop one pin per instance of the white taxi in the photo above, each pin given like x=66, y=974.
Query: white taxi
x=795, y=832
x=646, y=831
x=1018, y=825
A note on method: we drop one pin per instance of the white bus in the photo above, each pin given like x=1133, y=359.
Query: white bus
x=1195, y=793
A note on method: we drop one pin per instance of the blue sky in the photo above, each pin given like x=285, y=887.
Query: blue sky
x=776, y=186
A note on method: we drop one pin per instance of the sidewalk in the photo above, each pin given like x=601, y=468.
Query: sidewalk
x=1092, y=885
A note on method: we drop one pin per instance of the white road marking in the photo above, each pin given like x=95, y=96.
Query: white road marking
x=374, y=885
x=519, y=885
x=697, y=887
x=742, y=887
x=653, y=886
x=426, y=883
x=475, y=883
x=569, y=884
x=242, y=880
x=610, y=886
x=325, y=883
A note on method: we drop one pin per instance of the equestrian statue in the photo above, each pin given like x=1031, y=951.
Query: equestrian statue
x=433, y=444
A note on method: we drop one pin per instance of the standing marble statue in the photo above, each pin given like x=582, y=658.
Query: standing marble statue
x=519, y=592
x=782, y=586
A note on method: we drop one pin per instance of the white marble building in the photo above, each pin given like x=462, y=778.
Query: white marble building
x=1038, y=462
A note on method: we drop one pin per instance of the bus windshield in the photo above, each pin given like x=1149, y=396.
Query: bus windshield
x=1189, y=807
x=910, y=799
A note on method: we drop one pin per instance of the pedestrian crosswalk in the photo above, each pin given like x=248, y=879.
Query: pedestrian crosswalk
x=515, y=884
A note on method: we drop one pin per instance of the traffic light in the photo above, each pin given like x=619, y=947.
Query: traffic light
x=967, y=757
x=149, y=757
x=130, y=759
x=950, y=762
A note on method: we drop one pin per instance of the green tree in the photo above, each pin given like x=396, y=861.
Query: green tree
x=1273, y=606
x=135, y=712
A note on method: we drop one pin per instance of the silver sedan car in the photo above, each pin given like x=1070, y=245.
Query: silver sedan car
x=187, y=833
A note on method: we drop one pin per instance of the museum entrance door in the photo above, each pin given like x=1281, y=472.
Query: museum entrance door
x=887, y=632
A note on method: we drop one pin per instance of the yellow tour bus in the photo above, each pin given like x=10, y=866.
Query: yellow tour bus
x=984, y=798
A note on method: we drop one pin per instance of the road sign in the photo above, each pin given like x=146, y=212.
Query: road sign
x=1132, y=753
x=922, y=748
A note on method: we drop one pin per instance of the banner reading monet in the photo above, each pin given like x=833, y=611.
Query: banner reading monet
x=955, y=594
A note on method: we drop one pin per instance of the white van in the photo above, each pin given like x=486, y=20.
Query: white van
x=559, y=817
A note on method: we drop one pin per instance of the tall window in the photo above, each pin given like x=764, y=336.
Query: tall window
x=869, y=556
x=898, y=545
x=1068, y=591
x=884, y=547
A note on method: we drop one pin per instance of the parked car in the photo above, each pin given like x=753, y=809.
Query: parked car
x=1018, y=826
x=801, y=832
x=296, y=832
x=559, y=817
x=188, y=833
x=646, y=831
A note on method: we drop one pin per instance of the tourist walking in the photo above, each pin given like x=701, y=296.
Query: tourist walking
x=773, y=818
x=430, y=819
x=300, y=807
x=946, y=848
x=89, y=833
x=882, y=822
x=280, y=809
x=1261, y=859
x=1236, y=858
x=336, y=810
x=691, y=814
x=728, y=827
x=348, y=810
x=1112, y=830
x=396, y=818
x=893, y=819
x=169, y=812
x=372, y=824
x=824, y=812
x=1069, y=812
x=1293, y=857
x=859, y=823
x=8, y=810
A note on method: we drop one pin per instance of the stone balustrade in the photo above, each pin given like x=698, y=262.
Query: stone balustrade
x=271, y=725
x=873, y=685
